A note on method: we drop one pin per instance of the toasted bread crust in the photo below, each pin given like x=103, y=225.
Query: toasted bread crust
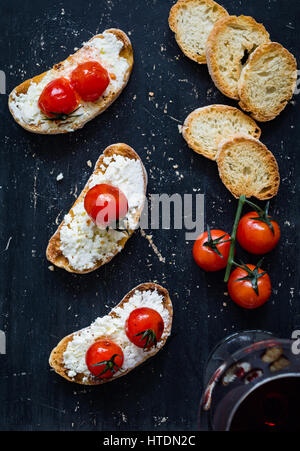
x=257, y=111
x=199, y=58
x=53, y=252
x=212, y=109
x=56, y=356
x=102, y=104
x=240, y=188
x=212, y=45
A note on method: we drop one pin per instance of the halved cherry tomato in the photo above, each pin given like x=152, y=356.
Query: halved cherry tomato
x=105, y=204
x=58, y=98
x=90, y=80
x=144, y=327
x=249, y=286
x=211, y=250
x=255, y=235
x=104, y=358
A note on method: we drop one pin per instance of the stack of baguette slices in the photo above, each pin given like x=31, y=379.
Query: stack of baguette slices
x=229, y=136
x=242, y=61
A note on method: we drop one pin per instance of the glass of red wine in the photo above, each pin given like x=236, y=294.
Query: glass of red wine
x=252, y=383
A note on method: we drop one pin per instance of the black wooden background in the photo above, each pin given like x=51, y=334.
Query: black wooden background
x=38, y=307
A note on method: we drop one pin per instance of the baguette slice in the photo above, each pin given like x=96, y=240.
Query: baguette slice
x=247, y=167
x=205, y=127
x=23, y=100
x=228, y=46
x=90, y=232
x=56, y=359
x=267, y=81
x=192, y=21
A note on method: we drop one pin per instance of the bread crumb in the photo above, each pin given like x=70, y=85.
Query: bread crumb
x=154, y=247
x=180, y=128
x=89, y=163
x=60, y=177
x=51, y=268
x=160, y=420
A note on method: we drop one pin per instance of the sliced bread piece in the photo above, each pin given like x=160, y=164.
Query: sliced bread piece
x=68, y=357
x=228, y=47
x=78, y=245
x=112, y=49
x=267, y=81
x=192, y=21
x=247, y=167
x=205, y=127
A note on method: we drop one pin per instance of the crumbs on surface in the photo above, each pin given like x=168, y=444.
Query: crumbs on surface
x=154, y=247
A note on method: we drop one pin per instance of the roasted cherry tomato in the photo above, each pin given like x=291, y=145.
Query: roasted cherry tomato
x=249, y=286
x=105, y=204
x=144, y=327
x=90, y=80
x=211, y=250
x=58, y=99
x=257, y=235
x=104, y=358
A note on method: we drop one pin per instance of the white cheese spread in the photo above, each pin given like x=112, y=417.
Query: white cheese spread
x=114, y=329
x=82, y=242
x=106, y=51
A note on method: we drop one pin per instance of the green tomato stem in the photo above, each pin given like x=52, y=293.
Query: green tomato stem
x=230, y=261
x=253, y=205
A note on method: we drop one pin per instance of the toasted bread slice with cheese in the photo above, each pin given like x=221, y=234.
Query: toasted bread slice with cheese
x=205, y=127
x=68, y=357
x=247, y=167
x=78, y=245
x=192, y=21
x=267, y=81
x=228, y=46
x=112, y=49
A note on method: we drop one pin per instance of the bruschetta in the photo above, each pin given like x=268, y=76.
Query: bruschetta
x=81, y=243
x=78, y=89
x=113, y=345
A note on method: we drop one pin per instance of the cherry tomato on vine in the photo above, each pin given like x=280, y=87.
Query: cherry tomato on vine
x=211, y=250
x=58, y=99
x=105, y=204
x=257, y=235
x=144, y=327
x=249, y=286
x=104, y=358
x=90, y=80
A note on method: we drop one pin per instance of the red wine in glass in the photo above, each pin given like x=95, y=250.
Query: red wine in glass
x=273, y=406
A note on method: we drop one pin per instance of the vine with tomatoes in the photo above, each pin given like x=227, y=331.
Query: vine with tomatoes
x=258, y=233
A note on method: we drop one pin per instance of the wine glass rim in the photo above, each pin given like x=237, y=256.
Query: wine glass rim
x=235, y=334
